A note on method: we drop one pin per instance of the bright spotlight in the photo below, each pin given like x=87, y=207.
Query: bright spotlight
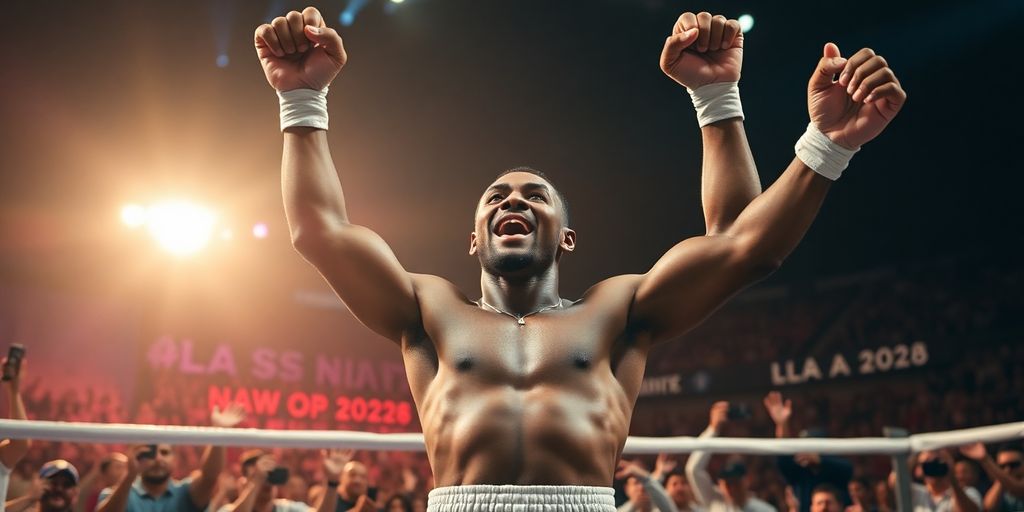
x=180, y=227
x=223, y=60
x=347, y=18
x=397, y=1
x=133, y=215
x=226, y=234
x=260, y=230
x=746, y=22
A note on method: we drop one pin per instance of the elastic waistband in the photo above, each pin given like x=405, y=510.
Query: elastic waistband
x=521, y=498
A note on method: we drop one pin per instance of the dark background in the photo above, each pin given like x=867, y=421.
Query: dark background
x=115, y=102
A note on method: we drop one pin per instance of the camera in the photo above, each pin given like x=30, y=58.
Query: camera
x=935, y=468
x=150, y=453
x=278, y=476
x=12, y=367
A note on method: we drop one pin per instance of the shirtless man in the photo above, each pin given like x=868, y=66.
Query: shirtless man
x=522, y=388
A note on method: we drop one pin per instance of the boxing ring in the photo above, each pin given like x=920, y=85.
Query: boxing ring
x=898, y=445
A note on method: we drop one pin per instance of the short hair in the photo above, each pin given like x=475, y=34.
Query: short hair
x=249, y=458
x=830, y=489
x=554, y=188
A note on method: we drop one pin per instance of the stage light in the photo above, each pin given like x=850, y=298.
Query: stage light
x=226, y=234
x=223, y=60
x=397, y=1
x=746, y=22
x=180, y=227
x=260, y=230
x=347, y=18
x=133, y=215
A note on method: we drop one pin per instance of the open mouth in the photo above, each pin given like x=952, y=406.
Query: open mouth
x=512, y=225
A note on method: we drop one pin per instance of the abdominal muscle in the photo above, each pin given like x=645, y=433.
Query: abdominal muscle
x=544, y=435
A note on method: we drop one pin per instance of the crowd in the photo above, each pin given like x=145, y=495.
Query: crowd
x=969, y=384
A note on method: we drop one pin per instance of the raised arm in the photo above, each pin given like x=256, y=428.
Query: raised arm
x=705, y=54
x=300, y=57
x=12, y=450
x=697, y=275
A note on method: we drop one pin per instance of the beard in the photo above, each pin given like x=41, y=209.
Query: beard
x=156, y=479
x=510, y=263
x=46, y=505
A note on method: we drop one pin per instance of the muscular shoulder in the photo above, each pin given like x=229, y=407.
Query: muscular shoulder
x=435, y=288
x=614, y=289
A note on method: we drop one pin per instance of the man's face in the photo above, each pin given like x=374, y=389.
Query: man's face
x=732, y=487
x=59, y=493
x=519, y=227
x=859, y=492
x=1012, y=462
x=938, y=460
x=824, y=502
x=636, y=493
x=678, y=489
x=353, y=480
x=158, y=469
x=965, y=473
x=267, y=491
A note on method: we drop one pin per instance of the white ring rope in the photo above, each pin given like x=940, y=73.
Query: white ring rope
x=126, y=433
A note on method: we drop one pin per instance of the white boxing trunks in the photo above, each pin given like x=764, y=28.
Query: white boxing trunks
x=521, y=498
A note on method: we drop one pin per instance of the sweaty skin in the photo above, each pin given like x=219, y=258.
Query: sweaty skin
x=549, y=402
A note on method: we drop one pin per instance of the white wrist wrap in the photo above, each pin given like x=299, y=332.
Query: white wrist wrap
x=717, y=101
x=821, y=154
x=303, y=107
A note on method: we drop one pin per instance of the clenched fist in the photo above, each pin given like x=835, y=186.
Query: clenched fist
x=857, y=107
x=703, y=49
x=299, y=51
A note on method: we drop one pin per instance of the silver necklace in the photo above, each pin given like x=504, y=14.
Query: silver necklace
x=520, y=319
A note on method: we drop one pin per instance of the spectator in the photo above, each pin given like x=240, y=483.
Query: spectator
x=106, y=473
x=940, y=492
x=12, y=450
x=398, y=503
x=643, y=489
x=296, y=489
x=732, y=493
x=806, y=471
x=860, y=494
x=148, y=487
x=227, y=492
x=55, y=490
x=261, y=478
x=825, y=498
x=885, y=499
x=346, y=487
x=678, y=489
x=967, y=473
x=1007, y=474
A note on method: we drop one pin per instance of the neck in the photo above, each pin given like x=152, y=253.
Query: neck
x=739, y=498
x=155, y=489
x=520, y=297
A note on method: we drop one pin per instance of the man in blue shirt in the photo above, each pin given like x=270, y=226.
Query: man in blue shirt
x=148, y=486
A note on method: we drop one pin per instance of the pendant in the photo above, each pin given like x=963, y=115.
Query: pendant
x=522, y=320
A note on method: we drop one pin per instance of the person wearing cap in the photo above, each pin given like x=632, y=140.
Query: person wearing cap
x=148, y=487
x=12, y=450
x=259, y=485
x=731, y=494
x=55, y=491
x=806, y=471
